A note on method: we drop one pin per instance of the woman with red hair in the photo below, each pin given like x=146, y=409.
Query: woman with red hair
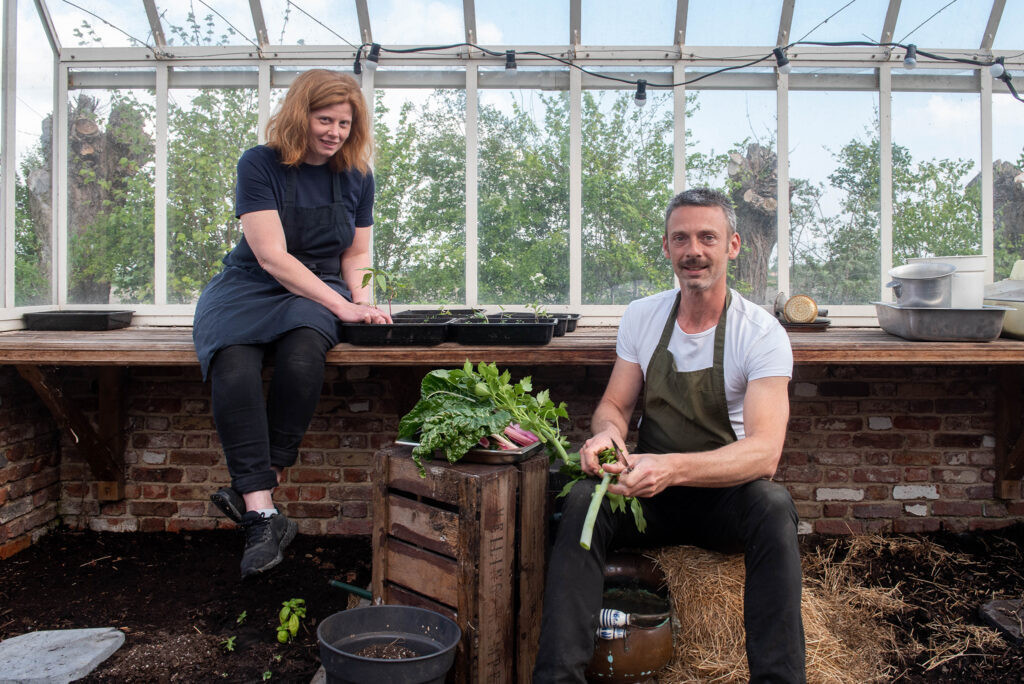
x=305, y=200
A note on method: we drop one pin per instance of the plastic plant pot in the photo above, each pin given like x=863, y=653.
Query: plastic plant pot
x=432, y=636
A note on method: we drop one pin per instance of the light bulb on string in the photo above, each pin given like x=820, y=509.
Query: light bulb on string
x=997, y=68
x=910, y=59
x=357, y=67
x=781, y=61
x=510, y=60
x=373, y=57
x=641, y=93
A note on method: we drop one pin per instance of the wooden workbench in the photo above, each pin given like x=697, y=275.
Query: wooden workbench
x=163, y=346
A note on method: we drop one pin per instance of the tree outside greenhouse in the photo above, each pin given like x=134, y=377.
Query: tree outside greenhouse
x=523, y=201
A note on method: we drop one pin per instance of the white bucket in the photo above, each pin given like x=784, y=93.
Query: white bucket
x=968, y=280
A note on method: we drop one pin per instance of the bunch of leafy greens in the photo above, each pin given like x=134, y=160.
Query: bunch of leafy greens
x=457, y=407
x=618, y=502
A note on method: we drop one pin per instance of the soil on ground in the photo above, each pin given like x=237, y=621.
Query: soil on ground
x=187, y=616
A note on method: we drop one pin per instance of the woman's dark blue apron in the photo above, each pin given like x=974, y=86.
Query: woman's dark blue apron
x=243, y=304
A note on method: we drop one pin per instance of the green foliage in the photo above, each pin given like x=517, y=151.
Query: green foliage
x=381, y=282
x=457, y=407
x=228, y=644
x=618, y=502
x=289, y=619
x=241, y=617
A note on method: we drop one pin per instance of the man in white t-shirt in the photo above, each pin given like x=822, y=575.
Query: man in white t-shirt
x=712, y=372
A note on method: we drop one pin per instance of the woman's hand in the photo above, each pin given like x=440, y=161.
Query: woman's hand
x=362, y=313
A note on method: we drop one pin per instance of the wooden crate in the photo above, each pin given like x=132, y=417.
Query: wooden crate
x=468, y=542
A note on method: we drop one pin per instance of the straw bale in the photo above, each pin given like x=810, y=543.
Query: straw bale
x=846, y=639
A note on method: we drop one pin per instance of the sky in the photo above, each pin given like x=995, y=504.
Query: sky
x=931, y=125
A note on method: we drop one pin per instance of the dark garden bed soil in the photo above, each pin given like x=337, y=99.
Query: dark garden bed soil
x=177, y=597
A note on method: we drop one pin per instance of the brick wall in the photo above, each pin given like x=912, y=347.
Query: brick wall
x=894, y=448
x=877, y=448
x=29, y=457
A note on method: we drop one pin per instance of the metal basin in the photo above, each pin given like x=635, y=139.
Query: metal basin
x=941, y=325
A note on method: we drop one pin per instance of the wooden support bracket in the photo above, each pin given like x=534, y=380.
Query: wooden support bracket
x=102, y=447
x=1009, y=463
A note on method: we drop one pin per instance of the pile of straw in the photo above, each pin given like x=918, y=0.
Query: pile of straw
x=846, y=639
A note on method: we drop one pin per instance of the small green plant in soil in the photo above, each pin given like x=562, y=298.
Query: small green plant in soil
x=290, y=616
x=381, y=283
x=241, y=618
x=571, y=467
x=267, y=676
x=228, y=644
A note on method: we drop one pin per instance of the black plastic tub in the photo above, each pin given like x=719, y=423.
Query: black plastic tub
x=77, y=320
x=432, y=636
x=571, y=319
x=501, y=329
x=399, y=333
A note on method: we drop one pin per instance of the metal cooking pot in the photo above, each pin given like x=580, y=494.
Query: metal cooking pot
x=925, y=285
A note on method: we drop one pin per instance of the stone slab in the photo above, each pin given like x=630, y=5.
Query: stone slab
x=56, y=656
x=1006, y=616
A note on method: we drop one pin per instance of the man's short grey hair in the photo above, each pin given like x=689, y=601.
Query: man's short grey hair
x=703, y=197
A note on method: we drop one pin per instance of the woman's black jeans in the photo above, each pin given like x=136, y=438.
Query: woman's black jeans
x=757, y=518
x=257, y=434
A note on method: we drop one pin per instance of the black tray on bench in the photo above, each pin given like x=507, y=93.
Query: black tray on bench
x=77, y=320
x=500, y=329
x=399, y=333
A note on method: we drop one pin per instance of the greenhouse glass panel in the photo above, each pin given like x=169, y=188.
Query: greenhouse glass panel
x=501, y=23
x=627, y=183
x=730, y=146
x=192, y=22
x=733, y=22
x=940, y=24
x=417, y=22
x=834, y=167
x=419, y=233
x=319, y=22
x=110, y=176
x=98, y=23
x=208, y=131
x=33, y=147
x=1008, y=36
x=609, y=22
x=1007, y=182
x=838, y=20
x=936, y=148
x=523, y=197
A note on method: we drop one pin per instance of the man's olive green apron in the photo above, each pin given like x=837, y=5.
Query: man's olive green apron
x=685, y=412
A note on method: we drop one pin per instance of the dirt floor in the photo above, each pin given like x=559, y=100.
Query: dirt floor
x=178, y=600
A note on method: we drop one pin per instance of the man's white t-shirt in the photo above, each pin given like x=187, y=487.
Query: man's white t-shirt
x=756, y=345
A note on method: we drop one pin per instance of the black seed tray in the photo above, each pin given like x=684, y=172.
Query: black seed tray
x=77, y=320
x=396, y=334
x=500, y=329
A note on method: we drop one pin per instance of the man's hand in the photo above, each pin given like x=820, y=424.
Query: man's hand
x=607, y=439
x=644, y=475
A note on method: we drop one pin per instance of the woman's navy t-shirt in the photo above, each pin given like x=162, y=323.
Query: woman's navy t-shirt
x=262, y=178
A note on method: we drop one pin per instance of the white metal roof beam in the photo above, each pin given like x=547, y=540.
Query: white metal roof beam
x=682, y=8
x=155, y=27
x=785, y=22
x=51, y=32
x=993, y=24
x=575, y=21
x=364, y=21
x=469, y=15
x=262, y=37
x=889, y=27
